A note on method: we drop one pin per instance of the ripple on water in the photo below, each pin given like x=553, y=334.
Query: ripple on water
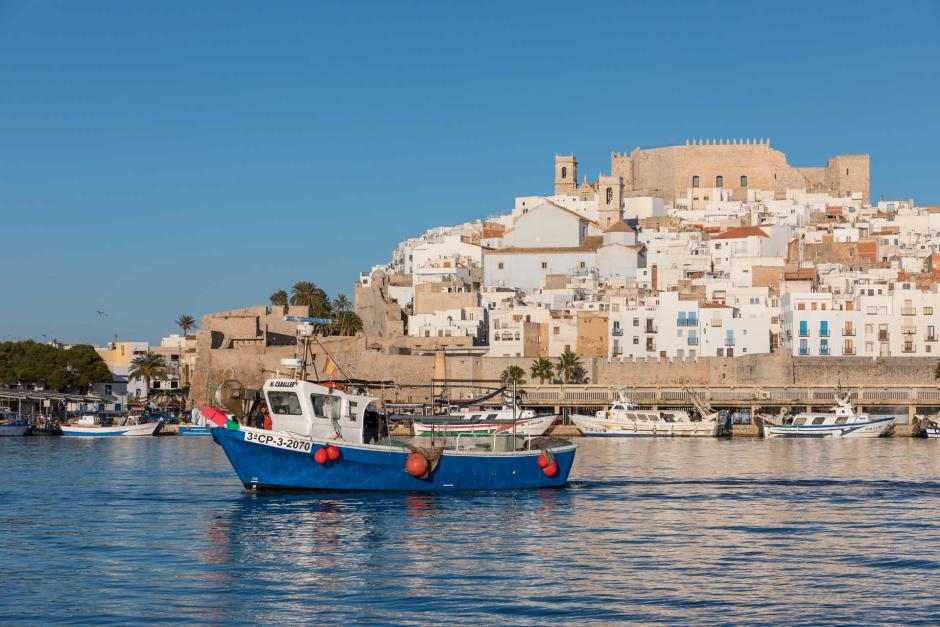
x=159, y=530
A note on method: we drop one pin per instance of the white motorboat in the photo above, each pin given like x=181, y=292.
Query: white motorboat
x=927, y=428
x=12, y=424
x=90, y=425
x=841, y=422
x=625, y=419
x=483, y=422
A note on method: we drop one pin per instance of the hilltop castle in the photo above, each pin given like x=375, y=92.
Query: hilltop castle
x=671, y=172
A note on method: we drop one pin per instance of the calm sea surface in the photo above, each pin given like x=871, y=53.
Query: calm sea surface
x=159, y=530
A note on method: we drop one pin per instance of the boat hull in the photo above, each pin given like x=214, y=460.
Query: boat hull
x=146, y=429
x=529, y=426
x=190, y=430
x=870, y=429
x=277, y=460
x=591, y=427
x=930, y=433
x=13, y=430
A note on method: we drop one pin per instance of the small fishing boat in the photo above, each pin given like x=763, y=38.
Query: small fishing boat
x=12, y=424
x=927, y=428
x=91, y=425
x=625, y=419
x=326, y=439
x=482, y=422
x=841, y=422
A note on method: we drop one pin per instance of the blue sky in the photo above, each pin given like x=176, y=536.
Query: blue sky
x=159, y=158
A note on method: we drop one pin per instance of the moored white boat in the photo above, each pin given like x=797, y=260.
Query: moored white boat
x=90, y=425
x=841, y=422
x=927, y=428
x=484, y=422
x=624, y=419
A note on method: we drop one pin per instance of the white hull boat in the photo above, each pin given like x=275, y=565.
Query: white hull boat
x=624, y=419
x=479, y=424
x=88, y=426
x=841, y=422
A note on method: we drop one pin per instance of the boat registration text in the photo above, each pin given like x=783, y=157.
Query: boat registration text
x=279, y=441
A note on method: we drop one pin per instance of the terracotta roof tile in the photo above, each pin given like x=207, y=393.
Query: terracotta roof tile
x=742, y=232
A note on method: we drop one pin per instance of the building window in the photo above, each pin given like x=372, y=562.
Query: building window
x=544, y=265
x=500, y=265
x=582, y=264
x=719, y=181
x=695, y=181
x=743, y=181
x=928, y=311
x=564, y=172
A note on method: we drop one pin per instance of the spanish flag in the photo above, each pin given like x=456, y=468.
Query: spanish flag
x=329, y=368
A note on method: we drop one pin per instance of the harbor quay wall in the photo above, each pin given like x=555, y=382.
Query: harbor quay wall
x=379, y=359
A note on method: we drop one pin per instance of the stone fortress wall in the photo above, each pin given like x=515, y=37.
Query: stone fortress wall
x=668, y=171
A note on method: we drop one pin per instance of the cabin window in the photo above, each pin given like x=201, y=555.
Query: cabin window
x=653, y=418
x=475, y=417
x=284, y=403
x=491, y=416
x=326, y=406
x=799, y=421
x=841, y=420
x=642, y=418
x=819, y=420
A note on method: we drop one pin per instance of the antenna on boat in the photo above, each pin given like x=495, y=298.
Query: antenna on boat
x=306, y=332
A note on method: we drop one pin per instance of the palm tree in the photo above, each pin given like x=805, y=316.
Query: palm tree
x=279, y=299
x=512, y=376
x=568, y=365
x=307, y=294
x=579, y=375
x=185, y=323
x=936, y=372
x=341, y=304
x=542, y=369
x=347, y=323
x=148, y=367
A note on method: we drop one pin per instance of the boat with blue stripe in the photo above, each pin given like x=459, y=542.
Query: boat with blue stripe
x=841, y=422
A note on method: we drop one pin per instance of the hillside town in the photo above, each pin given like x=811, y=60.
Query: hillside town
x=715, y=248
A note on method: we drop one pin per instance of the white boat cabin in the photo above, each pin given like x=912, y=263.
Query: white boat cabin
x=843, y=413
x=320, y=412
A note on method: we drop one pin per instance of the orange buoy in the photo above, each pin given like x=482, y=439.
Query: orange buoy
x=551, y=470
x=543, y=460
x=416, y=465
x=332, y=452
x=321, y=456
x=266, y=423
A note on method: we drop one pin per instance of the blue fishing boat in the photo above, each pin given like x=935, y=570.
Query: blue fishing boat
x=326, y=438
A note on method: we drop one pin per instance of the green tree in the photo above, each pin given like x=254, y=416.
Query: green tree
x=936, y=371
x=347, y=323
x=568, y=365
x=542, y=369
x=185, y=323
x=72, y=369
x=148, y=367
x=341, y=304
x=279, y=299
x=307, y=294
x=513, y=375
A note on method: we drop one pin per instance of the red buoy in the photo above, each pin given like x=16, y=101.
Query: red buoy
x=332, y=452
x=416, y=465
x=543, y=461
x=551, y=470
x=321, y=456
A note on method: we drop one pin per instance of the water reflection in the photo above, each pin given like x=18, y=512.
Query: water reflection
x=650, y=530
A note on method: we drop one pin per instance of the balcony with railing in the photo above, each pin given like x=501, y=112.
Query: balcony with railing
x=804, y=351
x=848, y=331
x=804, y=332
x=824, y=332
x=908, y=347
x=908, y=311
x=848, y=350
x=693, y=340
x=823, y=350
x=930, y=337
x=882, y=336
x=650, y=328
x=617, y=331
x=909, y=330
x=729, y=341
x=691, y=321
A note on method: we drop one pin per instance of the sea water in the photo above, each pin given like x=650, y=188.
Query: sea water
x=159, y=530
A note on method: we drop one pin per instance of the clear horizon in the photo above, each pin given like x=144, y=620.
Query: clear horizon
x=173, y=158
